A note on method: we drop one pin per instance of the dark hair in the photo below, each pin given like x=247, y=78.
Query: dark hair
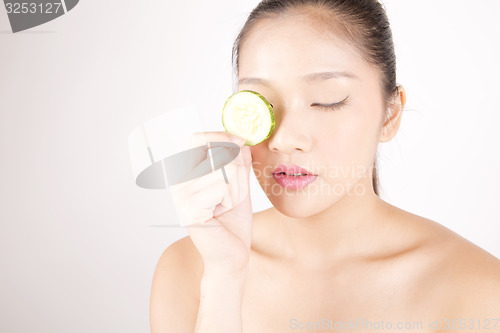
x=362, y=22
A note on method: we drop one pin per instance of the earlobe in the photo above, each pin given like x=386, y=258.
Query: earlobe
x=402, y=96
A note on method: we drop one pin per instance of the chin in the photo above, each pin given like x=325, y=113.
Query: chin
x=298, y=210
x=301, y=206
x=294, y=211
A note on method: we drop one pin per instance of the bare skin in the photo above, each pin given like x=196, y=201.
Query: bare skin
x=415, y=271
x=418, y=271
x=339, y=256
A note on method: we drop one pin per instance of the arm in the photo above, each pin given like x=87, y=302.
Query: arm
x=178, y=282
x=481, y=304
x=216, y=268
x=477, y=290
x=220, y=303
x=175, y=289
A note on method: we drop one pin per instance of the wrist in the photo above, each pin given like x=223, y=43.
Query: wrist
x=224, y=272
x=215, y=275
x=228, y=286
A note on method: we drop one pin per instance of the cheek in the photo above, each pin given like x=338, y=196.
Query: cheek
x=347, y=139
x=257, y=152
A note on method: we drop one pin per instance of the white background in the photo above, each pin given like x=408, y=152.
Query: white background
x=76, y=250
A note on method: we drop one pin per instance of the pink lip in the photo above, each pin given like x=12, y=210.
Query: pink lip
x=282, y=175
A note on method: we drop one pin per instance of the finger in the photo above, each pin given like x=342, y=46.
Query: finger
x=199, y=184
x=198, y=161
x=203, y=138
x=198, y=208
x=226, y=204
x=223, y=155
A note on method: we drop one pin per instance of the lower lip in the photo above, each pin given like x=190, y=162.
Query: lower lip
x=293, y=182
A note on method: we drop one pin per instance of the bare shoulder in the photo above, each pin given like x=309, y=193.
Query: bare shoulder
x=474, y=276
x=175, y=288
x=459, y=275
x=184, y=255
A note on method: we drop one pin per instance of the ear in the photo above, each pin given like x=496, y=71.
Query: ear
x=393, y=116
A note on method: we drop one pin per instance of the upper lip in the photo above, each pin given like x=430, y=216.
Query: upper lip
x=291, y=169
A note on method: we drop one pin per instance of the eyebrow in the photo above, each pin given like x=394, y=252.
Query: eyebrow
x=328, y=75
x=321, y=76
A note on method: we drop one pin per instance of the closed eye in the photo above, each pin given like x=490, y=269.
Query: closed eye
x=332, y=106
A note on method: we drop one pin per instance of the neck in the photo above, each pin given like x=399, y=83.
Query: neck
x=347, y=228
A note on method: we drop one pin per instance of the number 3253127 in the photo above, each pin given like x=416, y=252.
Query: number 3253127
x=33, y=8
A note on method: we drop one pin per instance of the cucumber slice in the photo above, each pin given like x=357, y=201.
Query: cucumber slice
x=249, y=115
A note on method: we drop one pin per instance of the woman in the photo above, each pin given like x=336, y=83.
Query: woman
x=329, y=254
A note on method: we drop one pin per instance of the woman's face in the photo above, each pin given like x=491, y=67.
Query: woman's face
x=301, y=68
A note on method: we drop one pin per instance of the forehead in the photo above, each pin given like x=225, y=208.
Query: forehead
x=296, y=44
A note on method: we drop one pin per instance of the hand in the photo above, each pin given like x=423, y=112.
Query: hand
x=218, y=216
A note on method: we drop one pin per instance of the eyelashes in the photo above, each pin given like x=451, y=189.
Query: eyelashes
x=326, y=107
x=330, y=107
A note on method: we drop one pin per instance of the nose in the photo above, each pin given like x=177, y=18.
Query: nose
x=290, y=134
